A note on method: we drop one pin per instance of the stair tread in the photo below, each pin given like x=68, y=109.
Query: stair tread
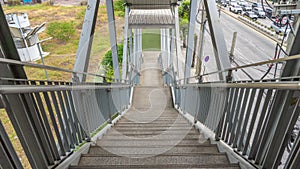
x=152, y=134
x=207, y=158
x=177, y=166
x=153, y=150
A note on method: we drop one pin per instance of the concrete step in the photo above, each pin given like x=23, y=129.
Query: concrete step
x=155, y=128
x=150, y=137
x=154, y=132
x=185, y=166
x=152, y=122
x=146, y=143
x=199, y=159
x=147, y=125
x=122, y=150
x=156, y=118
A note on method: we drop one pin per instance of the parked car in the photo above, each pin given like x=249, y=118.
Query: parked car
x=251, y=15
x=223, y=3
x=235, y=8
x=268, y=12
x=246, y=8
x=259, y=12
x=242, y=3
x=255, y=4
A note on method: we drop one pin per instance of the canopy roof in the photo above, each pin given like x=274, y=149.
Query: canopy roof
x=157, y=18
x=150, y=4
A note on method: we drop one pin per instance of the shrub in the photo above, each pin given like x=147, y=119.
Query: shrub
x=61, y=30
x=108, y=63
x=119, y=8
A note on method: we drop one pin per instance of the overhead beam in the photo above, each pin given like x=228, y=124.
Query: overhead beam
x=86, y=39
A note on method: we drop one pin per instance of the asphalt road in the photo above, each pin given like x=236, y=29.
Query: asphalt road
x=251, y=47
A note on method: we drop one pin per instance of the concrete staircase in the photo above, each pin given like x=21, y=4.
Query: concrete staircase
x=152, y=134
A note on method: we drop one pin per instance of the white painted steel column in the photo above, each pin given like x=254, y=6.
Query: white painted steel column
x=125, y=47
x=191, y=32
x=178, y=46
x=113, y=38
x=86, y=39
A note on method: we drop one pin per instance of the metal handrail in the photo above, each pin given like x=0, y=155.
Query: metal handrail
x=21, y=89
x=294, y=57
x=19, y=63
x=265, y=85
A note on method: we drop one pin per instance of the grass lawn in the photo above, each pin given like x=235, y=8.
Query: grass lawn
x=151, y=39
x=62, y=54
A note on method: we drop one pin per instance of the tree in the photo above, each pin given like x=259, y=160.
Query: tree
x=184, y=12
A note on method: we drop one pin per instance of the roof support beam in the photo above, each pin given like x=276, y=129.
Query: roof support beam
x=179, y=58
x=86, y=39
x=191, y=33
x=218, y=41
x=125, y=47
x=113, y=38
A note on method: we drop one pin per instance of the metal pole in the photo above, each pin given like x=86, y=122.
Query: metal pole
x=125, y=47
x=42, y=58
x=218, y=41
x=178, y=46
x=190, y=47
x=113, y=38
x=201, y=42
x=172, y=48
x=163, y=48
x=86, y=39
x=231, y=55
x=167, y=45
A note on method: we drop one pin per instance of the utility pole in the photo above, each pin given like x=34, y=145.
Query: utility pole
x=201, y=41
x=231, y=54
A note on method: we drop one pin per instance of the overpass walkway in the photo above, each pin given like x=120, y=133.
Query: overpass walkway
x=152, y=134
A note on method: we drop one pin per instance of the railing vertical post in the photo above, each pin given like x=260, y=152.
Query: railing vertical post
x=108, y=92
x=23, y=127
x=8, y=158
x=286, y=115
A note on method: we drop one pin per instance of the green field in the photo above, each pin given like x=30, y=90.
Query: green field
x=151, y=39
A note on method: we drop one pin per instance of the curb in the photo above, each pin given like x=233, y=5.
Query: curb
x=260, y=29
x=256, y=27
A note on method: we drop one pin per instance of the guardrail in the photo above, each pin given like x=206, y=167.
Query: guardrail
x=62, y=115
x=246, y=117
x=256, y=118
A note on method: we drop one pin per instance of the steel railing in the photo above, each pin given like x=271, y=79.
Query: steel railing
x=255, y=118
x=65, y=115
x=60, y=115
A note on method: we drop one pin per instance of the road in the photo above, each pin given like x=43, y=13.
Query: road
x=251, y=47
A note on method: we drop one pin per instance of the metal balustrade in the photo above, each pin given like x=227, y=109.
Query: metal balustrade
x=64, y=114
x=255, y=118
x=61, y=115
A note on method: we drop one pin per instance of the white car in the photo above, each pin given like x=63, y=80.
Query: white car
x=235, y=8
x=247, y=8
x=259, y=12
